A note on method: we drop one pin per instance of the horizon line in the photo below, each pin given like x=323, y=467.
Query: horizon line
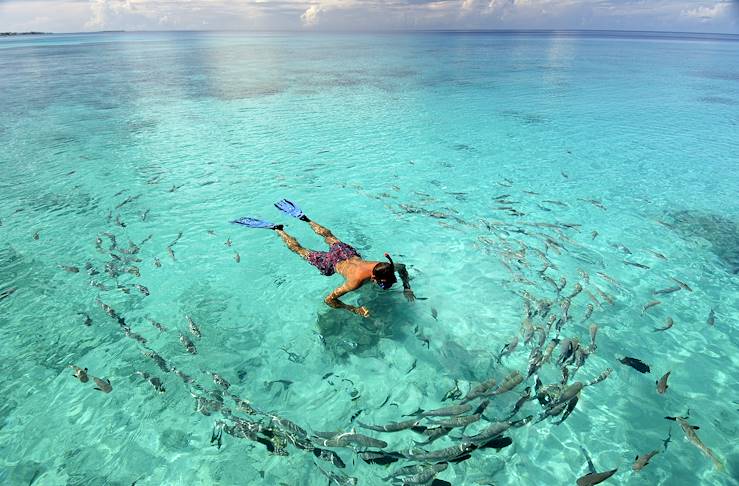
x=378, y=31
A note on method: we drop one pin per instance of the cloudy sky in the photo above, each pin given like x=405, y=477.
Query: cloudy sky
x=90, y=15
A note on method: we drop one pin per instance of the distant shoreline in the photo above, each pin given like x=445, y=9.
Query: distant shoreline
x=8, y=34
x=593, y=32
x=11, y=34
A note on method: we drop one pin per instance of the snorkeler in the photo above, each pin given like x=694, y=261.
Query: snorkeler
x=340, y=257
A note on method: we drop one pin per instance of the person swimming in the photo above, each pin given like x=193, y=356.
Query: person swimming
x=340, y=258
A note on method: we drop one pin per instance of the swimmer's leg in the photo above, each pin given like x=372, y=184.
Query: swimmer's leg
x=323, y=232
x=292, y=243
x=289, y=207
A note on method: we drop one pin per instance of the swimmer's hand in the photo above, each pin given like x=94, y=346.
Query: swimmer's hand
x=361, y=311
x=409, y=295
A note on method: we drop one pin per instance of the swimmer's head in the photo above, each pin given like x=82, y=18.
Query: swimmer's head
x=383, y=274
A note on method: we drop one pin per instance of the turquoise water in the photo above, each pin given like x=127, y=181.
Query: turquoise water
x=405, y=143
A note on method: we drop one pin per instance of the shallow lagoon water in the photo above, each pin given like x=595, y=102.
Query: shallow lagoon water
x=403, y=143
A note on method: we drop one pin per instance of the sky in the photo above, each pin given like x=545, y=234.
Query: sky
x=720, y=16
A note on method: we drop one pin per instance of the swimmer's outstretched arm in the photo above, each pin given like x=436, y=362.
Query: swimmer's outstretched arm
x=333, y=300
x=405, y=278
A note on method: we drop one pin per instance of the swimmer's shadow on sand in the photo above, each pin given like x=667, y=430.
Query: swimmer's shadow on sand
x=344, y=333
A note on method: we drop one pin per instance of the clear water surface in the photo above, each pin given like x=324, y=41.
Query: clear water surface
x=474, y=158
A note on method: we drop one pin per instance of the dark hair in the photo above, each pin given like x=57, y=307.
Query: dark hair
x=384, y=271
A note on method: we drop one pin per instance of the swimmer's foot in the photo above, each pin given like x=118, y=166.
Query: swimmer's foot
x=289, y=207
x=257, y=223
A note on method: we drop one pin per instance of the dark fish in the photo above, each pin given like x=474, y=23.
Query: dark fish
x=525, y=396
x=568, y=394
x=668, y=324
x=219, y=380
x=668, y=290
x=5, y=293
x=641, y=461
x=88, y=320
x=187, y=379
x=170, y=251
x=329, y=456
x=635, y=264
x=103, y=384
x=379, y=457
x=635, y=363
x=237, y=257
x=69, y=269
x=453, y=394
x=662, y=383
x=217, y=434
x=158, y=360
x=80, y=374
x=667, y=440
x=189, y=346
x=142, y=289
x=711, y=318
x=459, y=421
x=682, y=284
x=194, y=329
x=509, y=383
x=479, y=390
x=575, y=291
x=179, y=235
x=243, y=405
x=426, y=474
x=157, y=262
x=497, y=443
x=594, y=478
x=153, y=380
x=36, y=236
x=446, y=411
x=125, y=201
x=535, y=360
x=442, y=454
x=432, y=433
x=649, y=305
x=508, y=348
x=493, y=430
x=156, y=324
x=289, y=426
x=602, y=376
x=593, y=332
x=228, y=242
x=390, y=427
x=693, y=438
x=434, y=313
x=568, y=410
x=136, y=337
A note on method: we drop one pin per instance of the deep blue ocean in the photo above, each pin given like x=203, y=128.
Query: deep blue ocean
x=537, y=185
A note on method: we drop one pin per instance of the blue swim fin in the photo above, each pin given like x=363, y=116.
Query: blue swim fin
x=289, y=207
x=256, y=223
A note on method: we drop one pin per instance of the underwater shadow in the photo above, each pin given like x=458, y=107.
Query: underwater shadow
x=344, y=334
x=720, y=231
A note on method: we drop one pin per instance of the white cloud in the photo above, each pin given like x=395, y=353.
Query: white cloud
x=76, y=15
x=310, y=16
x=705, y=13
